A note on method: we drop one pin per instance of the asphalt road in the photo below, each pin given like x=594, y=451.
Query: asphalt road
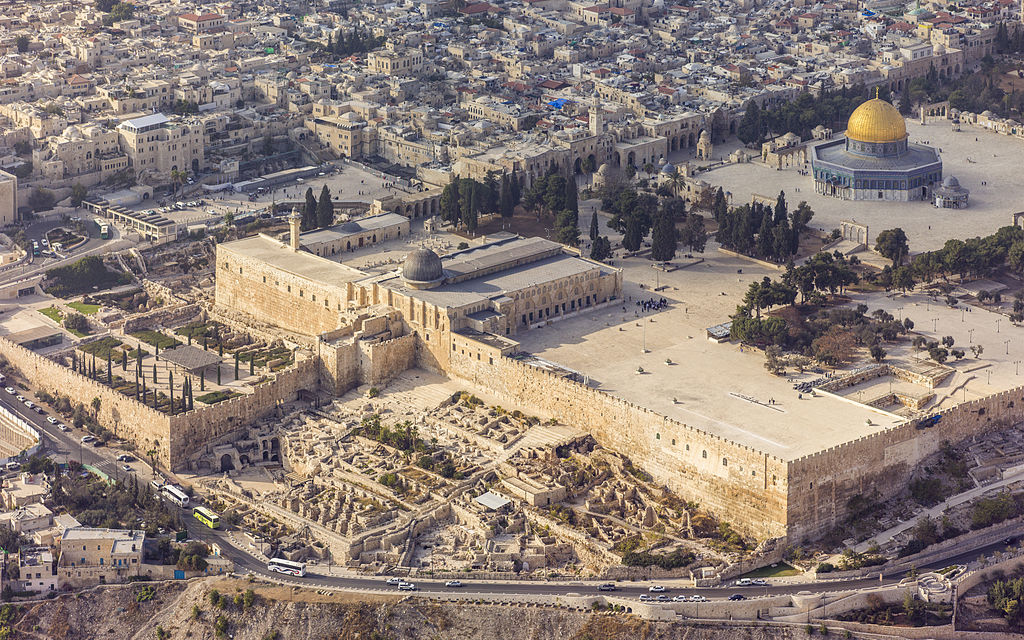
x=68, y=446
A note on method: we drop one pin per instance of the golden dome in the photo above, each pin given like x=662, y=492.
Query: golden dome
x=876, y=121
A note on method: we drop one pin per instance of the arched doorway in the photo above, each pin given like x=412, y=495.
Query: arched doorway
x=226, y=464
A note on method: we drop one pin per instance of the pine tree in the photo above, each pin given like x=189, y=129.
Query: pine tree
x=750, y=128
x=449, y=204
x=325, y=209
x=202, y=380
x=154, y=373
x=252, y=364
x=218, y=373
x=309, y=212
x=593, y=226
x=236, y=366
x=663, y=239
x=602, y=249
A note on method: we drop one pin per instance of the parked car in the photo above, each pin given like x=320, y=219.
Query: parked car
x=20, y=398
x=87, y=439
x=663, y=598
x=124, y=457
x=679, y=598
x=608, y=586
x=656, y=588
x=127, y=468
x=759, y=582
x=698, y=598
x=63, y=427
x=644, y=597
x=737, y=596
x=453, y=583
x=51, y=419
x=393, y=581
x=743, y=582
x=10, y=390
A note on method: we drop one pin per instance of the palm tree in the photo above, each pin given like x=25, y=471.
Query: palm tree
x=178, y=178
x=676, y=182
x=648, y=168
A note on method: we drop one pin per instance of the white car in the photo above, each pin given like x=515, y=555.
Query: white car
x=759, y=582
x=407, y=586
x=51, y=419
x=127, y=469
x=744, y=582
x=393, y=581
x=29, y=404
x=696, y=598
x=453, y=583
x=10, y=390
x=20, y=398
x=63, y=427
x=656, y=588
x=87, y=439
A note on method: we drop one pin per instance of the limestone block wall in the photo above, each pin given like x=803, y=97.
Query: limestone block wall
x=170, y=317
x=382, y=361
x=126, y=417
x=744, y=486
x=191, y=430
x=276, y=297
x=821, y=484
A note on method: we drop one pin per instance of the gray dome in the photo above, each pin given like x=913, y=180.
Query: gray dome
x=951, y=182
x=422, y=266
x=349, y=227
x=668, y=168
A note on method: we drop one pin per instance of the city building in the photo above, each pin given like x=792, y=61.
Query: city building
x=88, y=555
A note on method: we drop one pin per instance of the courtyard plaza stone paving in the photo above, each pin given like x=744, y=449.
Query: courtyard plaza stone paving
x=972, y=155
x=720, y=388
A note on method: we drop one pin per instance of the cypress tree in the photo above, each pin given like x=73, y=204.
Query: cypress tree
x=202, y=380
x=325, y=209
x=170, y=390
x=110, y=373
x=571, y=197
x=309, y=212
x=154, y=373
x=218, y=373
x=517, y=188
x=593, y=226
x=236, y=366
x=505, y=204
x=124, y=361
x=252, y=364
x=663, y=238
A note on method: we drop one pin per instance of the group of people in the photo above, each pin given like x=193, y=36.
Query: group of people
x=652, y=304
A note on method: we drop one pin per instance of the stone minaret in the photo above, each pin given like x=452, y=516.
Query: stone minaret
x=596, y=119
x=294, y=221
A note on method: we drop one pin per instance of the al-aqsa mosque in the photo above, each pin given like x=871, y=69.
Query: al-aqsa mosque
x=875, y=161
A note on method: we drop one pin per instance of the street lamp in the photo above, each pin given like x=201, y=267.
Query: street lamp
x=970, y=336
x=1007, y=343
x=998, y=320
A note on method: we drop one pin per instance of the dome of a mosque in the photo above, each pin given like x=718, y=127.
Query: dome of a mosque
x=876, y=121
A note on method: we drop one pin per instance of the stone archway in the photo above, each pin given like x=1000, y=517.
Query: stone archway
x=577, y=166
x=226, y=463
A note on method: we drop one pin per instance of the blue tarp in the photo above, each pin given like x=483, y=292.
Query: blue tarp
x=558, y=104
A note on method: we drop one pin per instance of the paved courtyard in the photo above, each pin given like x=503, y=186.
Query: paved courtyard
x=721, y=388
x=972, y=155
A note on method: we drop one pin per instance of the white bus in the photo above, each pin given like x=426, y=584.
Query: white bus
x=175, y=495
x=287, y=566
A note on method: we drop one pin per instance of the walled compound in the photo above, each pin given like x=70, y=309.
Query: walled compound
x=458, y=316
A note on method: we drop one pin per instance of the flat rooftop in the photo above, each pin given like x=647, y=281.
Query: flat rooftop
x=299, y=263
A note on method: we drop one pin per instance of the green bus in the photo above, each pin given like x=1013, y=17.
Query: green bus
x=207, y=517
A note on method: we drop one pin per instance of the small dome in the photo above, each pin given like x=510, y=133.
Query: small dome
x=987, y=113
x=876, y=121
x=422, y=267
x=349, y=227
x=668, y=168
x=951, y=182
x=604, y=170
x=705, y=136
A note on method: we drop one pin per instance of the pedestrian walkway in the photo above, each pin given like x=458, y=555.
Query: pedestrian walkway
x=938, y=509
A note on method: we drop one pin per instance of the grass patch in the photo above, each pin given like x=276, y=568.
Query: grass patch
x=102, y=348
x=217, y=396
x=83, y=308
x=156, y=339
x=779, y=570
x=52, y=314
